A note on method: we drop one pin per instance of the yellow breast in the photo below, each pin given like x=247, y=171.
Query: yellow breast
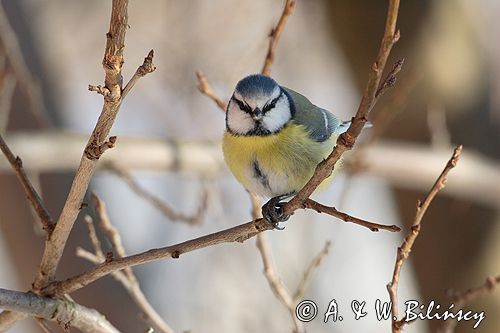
x=275, y=164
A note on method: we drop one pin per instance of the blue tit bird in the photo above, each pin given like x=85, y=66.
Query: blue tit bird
x=274, y=139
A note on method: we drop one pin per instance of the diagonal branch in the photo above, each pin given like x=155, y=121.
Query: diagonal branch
x=273, y=279
x=25, y=78
x=347, y=140
x=30, y=191
x=460, y=299
x=126, y=277
x=274, y=36
x=205, y=88
x=160, y=204
x=306, y=278
x=146, y=68
x=239, y=234
x=405, y=249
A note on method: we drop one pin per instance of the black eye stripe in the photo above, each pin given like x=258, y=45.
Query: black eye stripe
x=243, y=106
x=271, y=105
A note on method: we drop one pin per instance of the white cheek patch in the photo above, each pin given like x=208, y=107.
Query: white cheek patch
x=239, y=122
x=276, y=118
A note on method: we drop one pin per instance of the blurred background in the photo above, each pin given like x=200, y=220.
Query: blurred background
x=448, y=93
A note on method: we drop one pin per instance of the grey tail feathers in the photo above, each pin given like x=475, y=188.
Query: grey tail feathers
x=345, y=125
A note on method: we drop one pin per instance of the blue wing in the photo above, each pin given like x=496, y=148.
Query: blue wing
x=320, y=123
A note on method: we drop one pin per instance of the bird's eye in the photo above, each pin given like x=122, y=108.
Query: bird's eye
x=243, y=106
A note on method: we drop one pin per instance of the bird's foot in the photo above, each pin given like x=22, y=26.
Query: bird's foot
x=272, y=211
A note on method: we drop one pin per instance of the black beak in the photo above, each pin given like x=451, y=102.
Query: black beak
x=257, y=114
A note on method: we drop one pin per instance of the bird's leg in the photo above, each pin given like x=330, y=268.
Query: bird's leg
x=272, y=211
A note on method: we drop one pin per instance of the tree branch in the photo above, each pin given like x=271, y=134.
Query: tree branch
x=21, y=71
x=205, y=88
x=160, y=204
x=146, y=68
x=126, y=276
x=8, y=84
x=346, y=140
x=33, y=197
x=112, y=64
x=239, y=233
x=273, y=279
x=405, y=249
x=308, y=273
x=311, y=204
x=274, y=36
x=460, y=299
x=275, y=283
x=65, y=313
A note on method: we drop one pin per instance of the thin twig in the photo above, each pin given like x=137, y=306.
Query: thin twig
x=23, y=75
x=384, y=117
x=311, y=204
x=63, y=312
x=205, y=88
x=158, y=203
x=405, y=248
x=239, y=233
x=96, y=244
x=390, y=80
x=308, y=273
x=126, y=277
x=275, y=283
x=274, y=36
x=147, y=67
x=43, y=325
x=7, y=86
x=30, y=191
x=460, y=299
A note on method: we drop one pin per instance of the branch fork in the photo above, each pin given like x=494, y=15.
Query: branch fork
x=94, y=150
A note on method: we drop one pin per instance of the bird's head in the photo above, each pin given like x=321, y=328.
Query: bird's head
x=259, y=106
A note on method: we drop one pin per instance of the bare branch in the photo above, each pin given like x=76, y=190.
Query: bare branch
x=64, y=312
x=274, y=36
x=7, y=86
x=460, y=299
x=311, y=204
x=405, y=248
x=126, y=277
x=144, y=69
x=275, y=283
x=306, y=278
x=96, y=244
x=239, y=233
x=158, y=203
x=205, y=88
x=23, y=75
x=112, y=64
x=30, y=191
x=390, y=80
x=346, y=140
